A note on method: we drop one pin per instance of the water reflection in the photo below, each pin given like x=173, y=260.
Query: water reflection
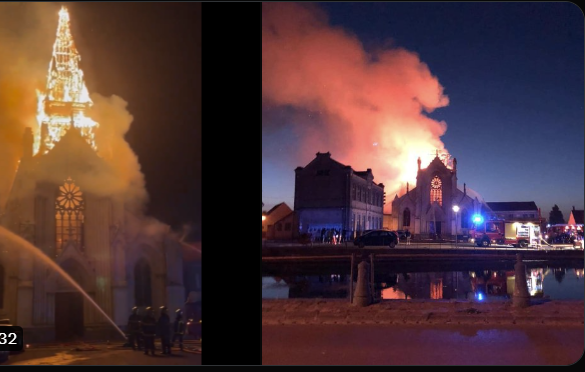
x=274, y=288
x=485, y=285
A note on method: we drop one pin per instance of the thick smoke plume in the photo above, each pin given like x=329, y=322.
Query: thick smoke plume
x=27, y=34
x=372, y=105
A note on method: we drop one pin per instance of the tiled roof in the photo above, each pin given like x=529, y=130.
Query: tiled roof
x=274, y=208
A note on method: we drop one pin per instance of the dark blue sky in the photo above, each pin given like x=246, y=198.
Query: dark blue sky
x=513, y=73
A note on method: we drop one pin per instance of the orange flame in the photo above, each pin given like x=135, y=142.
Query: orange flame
x=66, y=98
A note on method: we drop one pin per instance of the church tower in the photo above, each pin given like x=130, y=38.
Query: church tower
x=63, y=103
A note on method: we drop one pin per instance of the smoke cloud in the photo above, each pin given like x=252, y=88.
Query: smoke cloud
x=372, y=105
x=27, y=34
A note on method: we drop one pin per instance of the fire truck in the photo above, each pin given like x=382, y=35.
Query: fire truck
x=504, y=232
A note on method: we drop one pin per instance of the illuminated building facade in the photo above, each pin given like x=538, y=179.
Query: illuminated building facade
x=427, y=209
x=55, y=205
x=332, y=196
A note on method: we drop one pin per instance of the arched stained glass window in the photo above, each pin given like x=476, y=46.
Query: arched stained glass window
x=437, y=190
x=69, y=208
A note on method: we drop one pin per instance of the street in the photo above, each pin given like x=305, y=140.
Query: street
x=416, y=345
x=100, y=354
x=423, y=244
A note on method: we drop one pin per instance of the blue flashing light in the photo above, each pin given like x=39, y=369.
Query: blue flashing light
x=477, y=218
x=480, y=296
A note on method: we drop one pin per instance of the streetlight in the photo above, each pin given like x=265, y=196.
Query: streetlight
x=456, y=209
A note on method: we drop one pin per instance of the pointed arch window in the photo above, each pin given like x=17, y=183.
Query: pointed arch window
x=437, y=190
x=406, y=217
x=464, y=219
x=69, y=216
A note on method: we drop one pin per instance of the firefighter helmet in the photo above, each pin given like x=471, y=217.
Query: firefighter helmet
x=163, y=309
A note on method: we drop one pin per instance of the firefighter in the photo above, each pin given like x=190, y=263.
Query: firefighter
x=179, y=328
x=148, y=326
x=134, y=336
x=164, y=330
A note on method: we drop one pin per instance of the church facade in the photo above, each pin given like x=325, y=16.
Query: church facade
x=90, y=233
x=93, y=238
x=427, y=210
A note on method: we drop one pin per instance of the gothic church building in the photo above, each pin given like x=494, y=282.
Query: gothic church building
x=427, y=209
x=91, y=234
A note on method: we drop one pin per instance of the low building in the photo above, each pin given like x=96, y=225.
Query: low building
x=525, y=212
x=285, y=228
x=332, y=196
x=273, y=221
x=520, y=211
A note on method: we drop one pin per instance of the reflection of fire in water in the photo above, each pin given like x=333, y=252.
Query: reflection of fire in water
x=66, y=97
x=437, y=289
x=393, y=294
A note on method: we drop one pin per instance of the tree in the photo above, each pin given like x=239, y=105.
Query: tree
x=555, y=216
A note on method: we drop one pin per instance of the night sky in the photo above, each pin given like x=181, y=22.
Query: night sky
x=150, y=55
x=513, y=74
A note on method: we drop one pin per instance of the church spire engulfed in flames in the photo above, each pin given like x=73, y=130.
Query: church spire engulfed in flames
x=65, y=99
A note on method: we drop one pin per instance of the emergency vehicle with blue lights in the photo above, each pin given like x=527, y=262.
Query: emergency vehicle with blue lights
x=504, y=232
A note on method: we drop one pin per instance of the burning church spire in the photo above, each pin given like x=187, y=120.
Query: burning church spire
x=65, y=99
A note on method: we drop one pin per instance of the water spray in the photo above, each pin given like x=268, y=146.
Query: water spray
x=47, y=260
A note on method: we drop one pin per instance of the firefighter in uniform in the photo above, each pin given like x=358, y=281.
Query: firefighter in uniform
x=164, y=330
x=179, y=328
x=134, y=336
x=148, y=326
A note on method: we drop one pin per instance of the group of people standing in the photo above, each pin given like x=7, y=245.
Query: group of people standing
x=142, y=331
x=330, y=236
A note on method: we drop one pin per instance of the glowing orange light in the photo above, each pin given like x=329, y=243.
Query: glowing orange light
x=66, y=98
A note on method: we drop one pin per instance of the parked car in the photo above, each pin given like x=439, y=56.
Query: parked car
x=377, y=238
